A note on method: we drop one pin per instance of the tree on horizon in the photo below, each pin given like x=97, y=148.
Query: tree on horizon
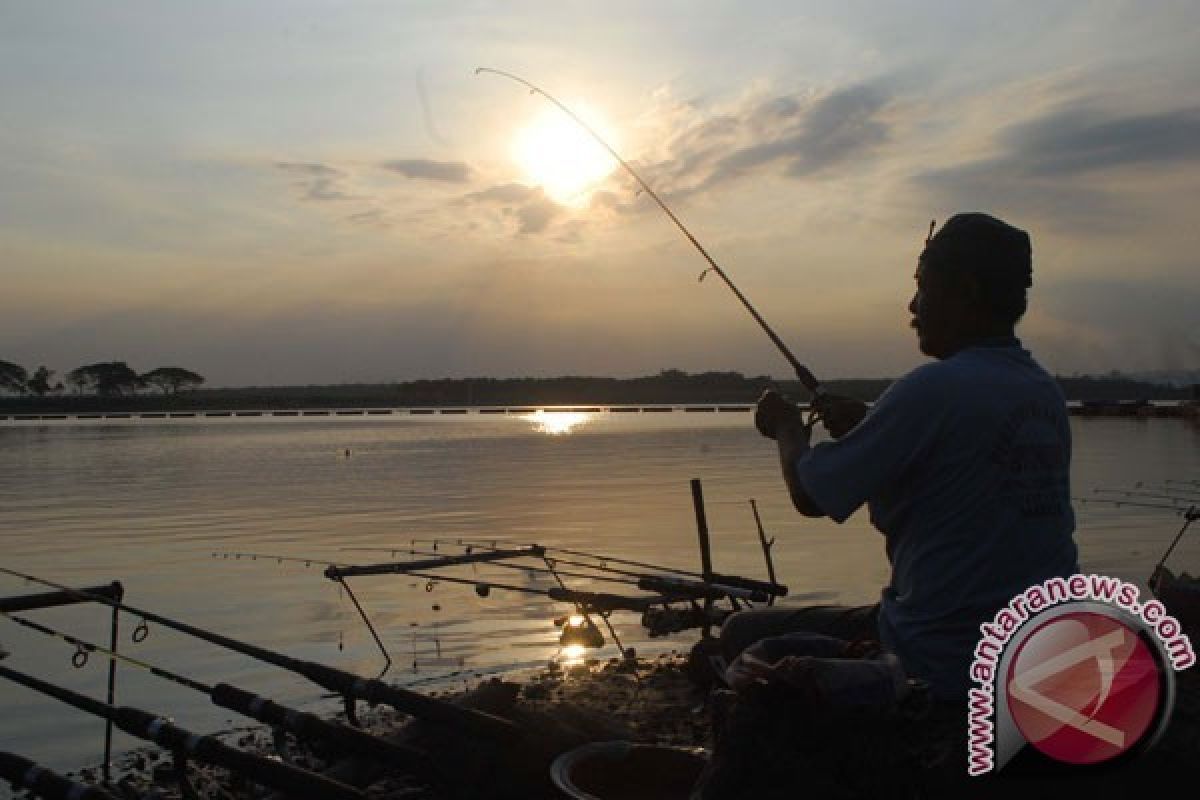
x=169, y=380
x=106, y=378
x=40, y=385
x=13, y=377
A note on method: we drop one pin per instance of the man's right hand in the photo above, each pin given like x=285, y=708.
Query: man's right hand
x=773, y=411
x=840, y=414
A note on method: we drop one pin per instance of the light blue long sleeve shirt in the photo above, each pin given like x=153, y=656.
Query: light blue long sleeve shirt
x=964, y=465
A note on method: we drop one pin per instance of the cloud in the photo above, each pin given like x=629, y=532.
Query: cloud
x=536, y=215
x=1065, y=166
x=425, y=169
x=795, y=135
x=504, y=194
x=529, y=205
x=320, y=183
x=1079, y=140
x=805, y=141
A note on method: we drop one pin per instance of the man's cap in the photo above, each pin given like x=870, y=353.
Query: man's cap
x=979, y=243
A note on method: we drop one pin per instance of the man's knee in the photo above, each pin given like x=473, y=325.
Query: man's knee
x=745, y=628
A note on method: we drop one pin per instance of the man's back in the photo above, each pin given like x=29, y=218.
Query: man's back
x=964, y=464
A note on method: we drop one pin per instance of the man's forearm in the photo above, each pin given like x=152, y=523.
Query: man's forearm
x=793, y=444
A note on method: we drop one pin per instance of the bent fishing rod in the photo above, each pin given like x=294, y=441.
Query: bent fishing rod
x=347, y=684
x=205, y=748
x=805, y=376
x=301, y=723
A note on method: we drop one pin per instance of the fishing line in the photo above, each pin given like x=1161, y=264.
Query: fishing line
x=802, y=372
x=580, y=554
x=1172, y=496
x=84, y=646
x=550, y=570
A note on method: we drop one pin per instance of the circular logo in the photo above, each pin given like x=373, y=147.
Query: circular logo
x=1085, y=687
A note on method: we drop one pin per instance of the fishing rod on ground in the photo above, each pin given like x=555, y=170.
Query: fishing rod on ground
x=731, y=586
x=1185, y=511
x=1172, y=487
x=346, y=684
x=224, y=695
x=186, y=745
x=608, y=575
x=586, y=603
x=1159, y=575
x=805, y=376
x=1172, y=496
x=1189, y=512
x=25, y=774
x=770, y=588
x=494, y=544
x=658, y=622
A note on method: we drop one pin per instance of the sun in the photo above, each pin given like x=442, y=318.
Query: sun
x=557, y=154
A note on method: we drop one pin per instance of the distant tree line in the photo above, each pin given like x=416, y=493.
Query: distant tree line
x=103, y=379
x=115, y=386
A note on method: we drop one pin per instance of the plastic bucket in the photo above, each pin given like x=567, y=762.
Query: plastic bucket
x=628, y=771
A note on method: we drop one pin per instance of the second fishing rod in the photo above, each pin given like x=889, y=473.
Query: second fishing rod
x=301, y=723
x=295, y=781
x=346, y=684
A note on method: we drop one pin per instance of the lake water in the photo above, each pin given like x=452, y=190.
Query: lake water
x=148, y=502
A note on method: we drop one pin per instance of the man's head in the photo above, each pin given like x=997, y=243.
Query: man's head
x=971, y=282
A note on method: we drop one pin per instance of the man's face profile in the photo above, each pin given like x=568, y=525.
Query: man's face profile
x=935, y=308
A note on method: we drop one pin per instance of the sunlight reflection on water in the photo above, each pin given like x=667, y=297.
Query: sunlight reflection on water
x=557, y=422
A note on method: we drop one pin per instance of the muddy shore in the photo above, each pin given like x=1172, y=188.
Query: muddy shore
x=914, y=754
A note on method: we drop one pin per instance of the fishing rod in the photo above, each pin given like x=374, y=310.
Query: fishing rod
x=667, y=589
x=25, y=774
x=1175, y=486
x=605, y=560
x=224, y=695
x=1146, y=493
x=802, y=372
x=1156, y=577
x=1192, y=511
x=350, y=686
x=614, y=575
x=766, y=546
x=730, y=581
x=586, y=603
x=201, y=747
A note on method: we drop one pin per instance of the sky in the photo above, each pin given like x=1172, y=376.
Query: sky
x=310, y=192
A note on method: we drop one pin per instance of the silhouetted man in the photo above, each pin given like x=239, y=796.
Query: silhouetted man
x=963, y=464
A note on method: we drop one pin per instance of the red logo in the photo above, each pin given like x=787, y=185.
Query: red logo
x=1084, y=687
